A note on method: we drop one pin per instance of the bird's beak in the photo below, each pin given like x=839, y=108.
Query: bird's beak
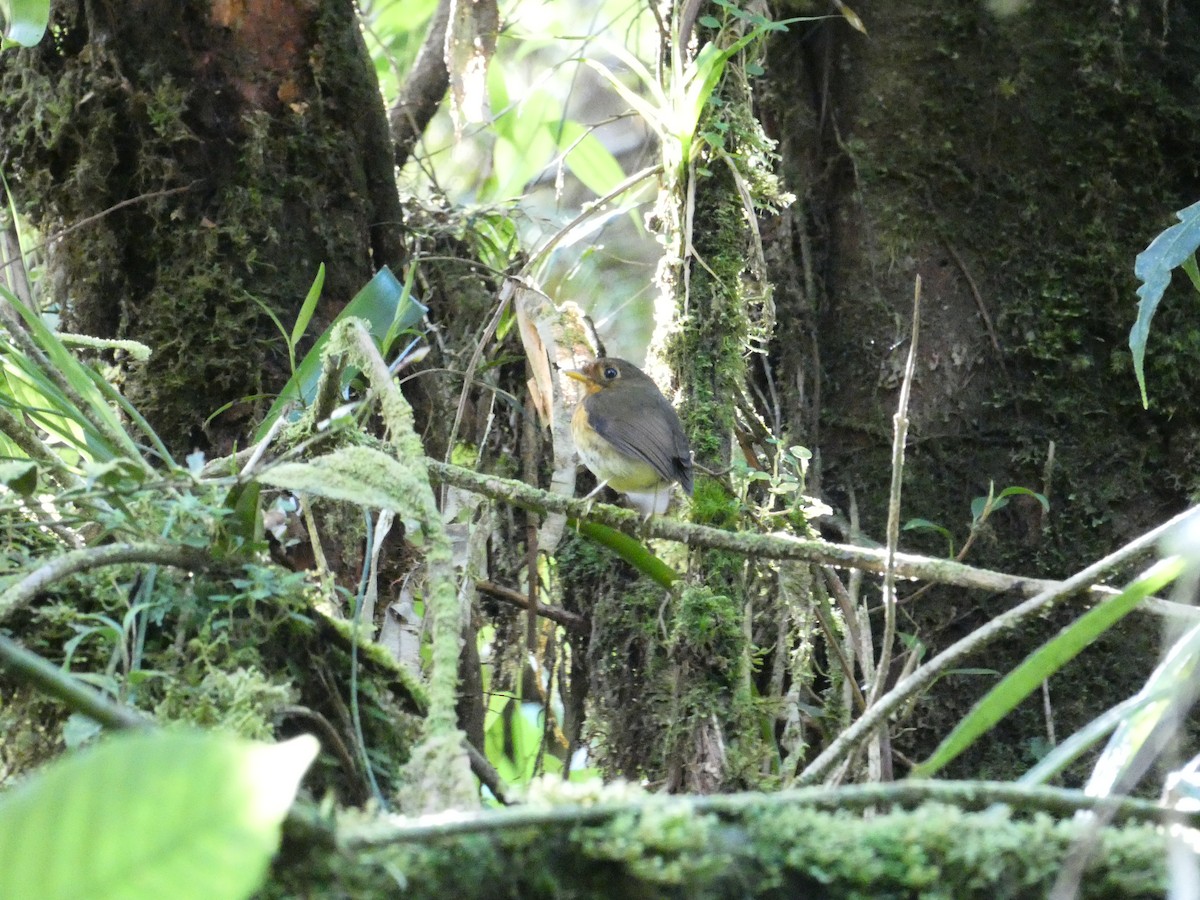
x=577, y=374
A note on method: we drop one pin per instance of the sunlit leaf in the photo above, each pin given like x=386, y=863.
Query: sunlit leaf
x=25, y=21
x=185, y=815
x=1174, y=674
x=589, y=160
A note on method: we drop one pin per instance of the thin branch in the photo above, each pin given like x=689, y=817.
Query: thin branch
x=899, y=438
x=1001, y=625
x=58, y=236
x=423, y=90
x=569, y=620
x=778, y=545
x=23, y=592
x=79, y=697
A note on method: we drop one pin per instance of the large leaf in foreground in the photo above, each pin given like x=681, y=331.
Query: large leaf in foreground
x=151, y=814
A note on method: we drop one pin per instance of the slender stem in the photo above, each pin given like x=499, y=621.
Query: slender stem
x=900, y=436
x=1002, y=624
x=52, y=680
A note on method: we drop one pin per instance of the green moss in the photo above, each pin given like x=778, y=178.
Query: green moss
x=259, y=198
x=665, y=850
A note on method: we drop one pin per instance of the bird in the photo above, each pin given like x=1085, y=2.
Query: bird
x=629, y=435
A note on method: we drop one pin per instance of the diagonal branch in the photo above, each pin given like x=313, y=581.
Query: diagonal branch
x=784, y=546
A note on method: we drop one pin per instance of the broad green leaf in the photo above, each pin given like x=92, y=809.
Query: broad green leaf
x=360, y=475
x=25, y=21
x=629, y=549
x=380, y=303
x=151, y=814
x=1044, y=662
x=1153, y=266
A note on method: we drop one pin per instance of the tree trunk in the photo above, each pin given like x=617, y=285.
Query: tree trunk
x=190, y=166
x=1016, y=158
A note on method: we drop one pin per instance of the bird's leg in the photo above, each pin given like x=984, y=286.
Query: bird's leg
x=591, y=495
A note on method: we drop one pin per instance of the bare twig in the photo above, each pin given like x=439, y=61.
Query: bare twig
x=900, y=436
x=564, y=617
x=140, y=198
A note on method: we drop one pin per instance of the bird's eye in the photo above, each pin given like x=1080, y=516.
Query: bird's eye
x=610, y=373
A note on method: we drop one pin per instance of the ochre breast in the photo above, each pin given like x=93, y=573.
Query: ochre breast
x=623, y=473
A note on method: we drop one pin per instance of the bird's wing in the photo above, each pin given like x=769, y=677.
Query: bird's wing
x=647, y=437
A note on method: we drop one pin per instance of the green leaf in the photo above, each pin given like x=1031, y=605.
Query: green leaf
x=590, y=161
x=1153, y=266
x=629, y=549
x=21, y=476
x=360, y=475
x=1082, y=740
x=25, y=21
x=380, y=302
x=309, y=306
x=926, y=525
x=1024, y=492
x=1044, y=662
x=1173, y=679
x=116, y=442
x=151, y=814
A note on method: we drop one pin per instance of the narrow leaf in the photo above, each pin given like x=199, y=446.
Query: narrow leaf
x=309, y=306
x=381, y=301
x=629, y=549
x=1044, y=662
x=1173, y=679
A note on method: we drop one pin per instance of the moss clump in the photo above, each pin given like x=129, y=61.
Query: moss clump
x=668, y=850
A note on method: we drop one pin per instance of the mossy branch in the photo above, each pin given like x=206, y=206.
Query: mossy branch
x=966, y=795
x=442, y=737
x=22, y=593
x=784, y=546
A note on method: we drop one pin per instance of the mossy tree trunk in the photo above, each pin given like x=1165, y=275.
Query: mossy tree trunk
x=1016, y=157
x=206, y=158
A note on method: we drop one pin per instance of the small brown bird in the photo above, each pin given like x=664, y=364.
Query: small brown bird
x=629, y=435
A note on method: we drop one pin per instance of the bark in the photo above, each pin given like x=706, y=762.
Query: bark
x=1017, y=163
x=207, y=159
